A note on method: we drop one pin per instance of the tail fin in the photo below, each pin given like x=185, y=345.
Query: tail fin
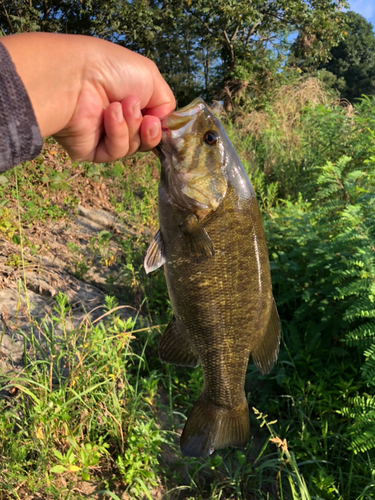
x=210, y=427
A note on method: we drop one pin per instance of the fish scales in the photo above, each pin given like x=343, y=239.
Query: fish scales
x=217, y=272
x=211, y=312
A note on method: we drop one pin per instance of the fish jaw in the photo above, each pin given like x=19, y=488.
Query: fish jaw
x=175, y=127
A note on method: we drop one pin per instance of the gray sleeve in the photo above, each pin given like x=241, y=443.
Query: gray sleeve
x=20, y=137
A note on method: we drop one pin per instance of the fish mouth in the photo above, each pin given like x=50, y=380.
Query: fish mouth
x=176, y=125
x=157, y=150
x=178, y=122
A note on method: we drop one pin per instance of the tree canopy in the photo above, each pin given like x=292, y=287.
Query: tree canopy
x=353, y=59
x=200, y=46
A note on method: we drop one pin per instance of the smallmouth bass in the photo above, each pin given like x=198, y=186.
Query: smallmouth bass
x=212, y=244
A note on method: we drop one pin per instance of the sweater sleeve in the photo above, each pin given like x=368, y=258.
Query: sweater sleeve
x=20, y=137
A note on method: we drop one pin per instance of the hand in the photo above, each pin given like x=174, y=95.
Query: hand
x=101, y=101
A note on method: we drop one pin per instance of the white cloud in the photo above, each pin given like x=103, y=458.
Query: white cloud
x=364, y=7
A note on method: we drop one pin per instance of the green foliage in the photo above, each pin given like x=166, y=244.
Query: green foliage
x=139, y=463
x=95, y=402
x=201, y=47
x=353, y=60
x=34, y=204
x=323, y=268
x=79, y=458
x=300, y=128
x=7, y=225
x=80, y=266
x=86, y=17
x=83, y=399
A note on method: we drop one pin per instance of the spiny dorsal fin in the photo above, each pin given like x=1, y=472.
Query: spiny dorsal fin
x=155, y=254
x=196, y=242
x=265, y=355
x=210, y=427
x=174, y=348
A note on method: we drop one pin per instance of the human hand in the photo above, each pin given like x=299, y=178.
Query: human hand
x=89, y=93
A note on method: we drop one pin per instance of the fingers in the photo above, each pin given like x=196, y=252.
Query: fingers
x=115, y=143
x=150, y=133
x=126, y=131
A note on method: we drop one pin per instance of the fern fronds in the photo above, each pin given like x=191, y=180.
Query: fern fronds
x=362, y=334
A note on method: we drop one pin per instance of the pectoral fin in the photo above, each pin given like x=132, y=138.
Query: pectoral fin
x=196, y=242
x=155, y=254
x=174, y=348
x=265, y=354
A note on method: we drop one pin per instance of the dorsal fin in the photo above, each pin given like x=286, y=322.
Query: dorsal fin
x=265, y=354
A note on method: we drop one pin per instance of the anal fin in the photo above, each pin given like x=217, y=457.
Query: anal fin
x=265, y=354
x=210, y=427
x=155, y=254
x=174, y=347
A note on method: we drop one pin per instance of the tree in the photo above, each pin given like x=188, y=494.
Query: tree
x=87, y=17
x=200, y=46
x=248, y=39
x=353, y=60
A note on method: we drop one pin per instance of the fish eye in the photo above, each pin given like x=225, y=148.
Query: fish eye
x=211, y=137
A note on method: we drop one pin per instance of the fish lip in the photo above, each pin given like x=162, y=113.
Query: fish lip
x=180, y=122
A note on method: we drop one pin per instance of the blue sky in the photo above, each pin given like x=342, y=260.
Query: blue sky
x=364, y=7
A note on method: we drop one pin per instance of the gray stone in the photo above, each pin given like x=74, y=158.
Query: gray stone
x=100, y=217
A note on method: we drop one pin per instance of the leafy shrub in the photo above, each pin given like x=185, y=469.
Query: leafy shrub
x=322, y=253
x=299, y=128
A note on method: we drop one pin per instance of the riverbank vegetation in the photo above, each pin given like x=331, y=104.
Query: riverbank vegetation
x=89, y=411
x=94, y=407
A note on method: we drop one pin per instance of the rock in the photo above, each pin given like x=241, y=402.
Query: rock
x=100, y=217
x=86, y=226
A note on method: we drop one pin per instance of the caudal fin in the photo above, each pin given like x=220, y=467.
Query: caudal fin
x=210, y=427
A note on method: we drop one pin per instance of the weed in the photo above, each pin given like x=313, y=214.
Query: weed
x=79, y=458
x=78, y=400
x=80, y=265
x=100, y=246
x=8, y=226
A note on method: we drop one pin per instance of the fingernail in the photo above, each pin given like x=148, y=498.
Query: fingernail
x=137, y=110
x=154, y=131
x=118, y=113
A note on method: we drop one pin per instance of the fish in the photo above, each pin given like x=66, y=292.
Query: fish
x=212, y=245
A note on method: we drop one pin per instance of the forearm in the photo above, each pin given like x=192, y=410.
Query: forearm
x=20, y=138
x=48, y=66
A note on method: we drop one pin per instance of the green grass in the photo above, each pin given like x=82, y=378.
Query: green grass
x=83, y=402
x=85, y=408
